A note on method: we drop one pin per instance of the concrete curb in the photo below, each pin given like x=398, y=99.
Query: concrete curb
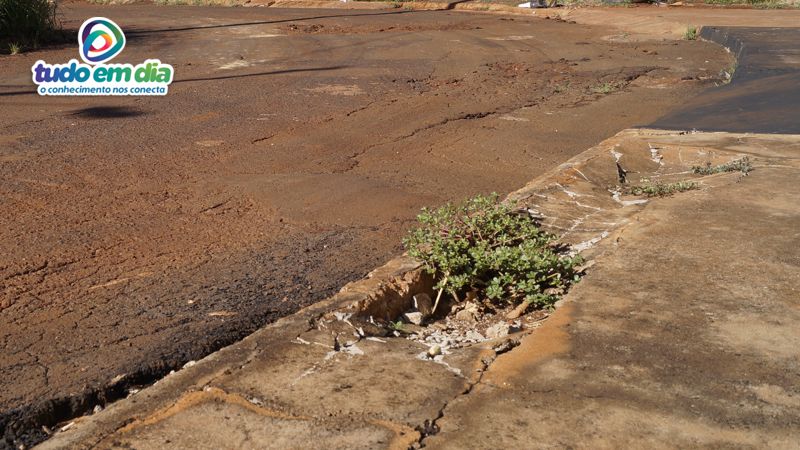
x=393, y=280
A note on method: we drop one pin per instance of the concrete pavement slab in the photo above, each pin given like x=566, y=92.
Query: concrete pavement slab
x=684, y=334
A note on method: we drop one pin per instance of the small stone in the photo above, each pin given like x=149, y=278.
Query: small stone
x=497, y=330
x=434, y=351
x=466, y=315
x=438, y=326
x=414, y=317
x=374, y=330
x=474, y=336
x=97, y=409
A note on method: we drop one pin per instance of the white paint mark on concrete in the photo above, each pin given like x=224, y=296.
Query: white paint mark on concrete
x=513, y=119
x=577, y=248
x=238, y=64
x=512, y=38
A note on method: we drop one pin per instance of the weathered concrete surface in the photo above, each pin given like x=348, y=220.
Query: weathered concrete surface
x=286, y=387
x=684, y=333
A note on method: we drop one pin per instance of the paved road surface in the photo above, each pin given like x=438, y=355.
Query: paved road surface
x=764, y=92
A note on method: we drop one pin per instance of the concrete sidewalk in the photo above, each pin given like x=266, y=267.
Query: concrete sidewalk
x=684, y=333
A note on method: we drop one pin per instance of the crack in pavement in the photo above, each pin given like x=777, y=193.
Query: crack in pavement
x=431, y=427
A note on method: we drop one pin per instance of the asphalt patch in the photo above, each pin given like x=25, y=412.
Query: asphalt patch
x=764, y=93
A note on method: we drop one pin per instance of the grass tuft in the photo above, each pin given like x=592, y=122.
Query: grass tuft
x=740, y=165
x=659, y=189
x=605, y=88
x=691, y=33
x=760, y=4
x=27, y=24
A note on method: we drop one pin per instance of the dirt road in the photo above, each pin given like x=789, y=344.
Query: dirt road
x=294, y=149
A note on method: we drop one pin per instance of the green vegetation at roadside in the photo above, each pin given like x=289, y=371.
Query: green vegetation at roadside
x=606, y=88
x=27, y=24
x=691, y=33
x=740, y=165
x=761, y=4
x=483, y=246
x=659, y=189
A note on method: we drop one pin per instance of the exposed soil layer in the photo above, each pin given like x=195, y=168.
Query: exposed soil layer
x=140, y=233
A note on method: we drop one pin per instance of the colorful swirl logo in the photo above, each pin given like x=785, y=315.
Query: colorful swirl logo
x=100, y=40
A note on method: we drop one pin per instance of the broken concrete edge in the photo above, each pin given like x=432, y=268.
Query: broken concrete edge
x=585, y=183
x=723, y=37
x=395, y=279
x=387, y=292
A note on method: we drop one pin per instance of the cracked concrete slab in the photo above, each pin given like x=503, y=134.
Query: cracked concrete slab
x=289, y=380
x=684, y=328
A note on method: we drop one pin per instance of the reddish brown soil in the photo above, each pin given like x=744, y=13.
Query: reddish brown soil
x=139, y=233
